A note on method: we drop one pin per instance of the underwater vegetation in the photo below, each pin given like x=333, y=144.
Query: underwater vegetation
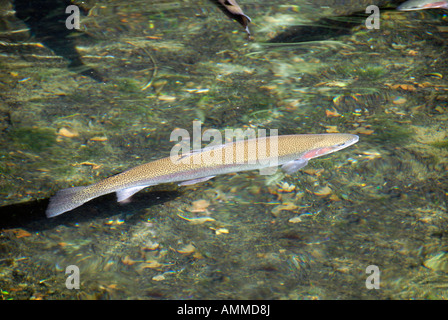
x=33, y=138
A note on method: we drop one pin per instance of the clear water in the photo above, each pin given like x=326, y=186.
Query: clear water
x=165, y=64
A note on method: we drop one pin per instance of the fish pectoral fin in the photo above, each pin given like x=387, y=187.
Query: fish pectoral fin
x=294, y=166
x=194, y=181
x=125, y=194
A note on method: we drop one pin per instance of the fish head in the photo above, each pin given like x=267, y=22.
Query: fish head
x=329, y=143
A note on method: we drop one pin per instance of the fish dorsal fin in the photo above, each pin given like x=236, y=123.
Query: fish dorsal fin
x=125, y=194
x=208, y=148
x=294, y=166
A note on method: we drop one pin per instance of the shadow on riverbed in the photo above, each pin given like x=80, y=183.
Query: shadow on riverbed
x=46, y=22
x=327, y=28
x=31, y=215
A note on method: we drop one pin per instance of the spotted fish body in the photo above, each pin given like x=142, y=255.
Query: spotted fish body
x=292, y=152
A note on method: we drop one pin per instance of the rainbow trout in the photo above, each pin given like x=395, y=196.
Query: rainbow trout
x=291, y=152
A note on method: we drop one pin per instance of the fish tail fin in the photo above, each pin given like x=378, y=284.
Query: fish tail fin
x=67, y=199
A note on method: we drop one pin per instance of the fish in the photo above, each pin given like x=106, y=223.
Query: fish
x=412, y=5
x=291, y=152
x=234, y=11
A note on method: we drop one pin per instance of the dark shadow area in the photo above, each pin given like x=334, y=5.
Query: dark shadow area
x=31, y=215
x=328, y=28
x=46, y=21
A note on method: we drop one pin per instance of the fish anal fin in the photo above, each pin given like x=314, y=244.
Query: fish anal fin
x=125, y=194
x=294, y=166
x=194, y=181
x=268, y=171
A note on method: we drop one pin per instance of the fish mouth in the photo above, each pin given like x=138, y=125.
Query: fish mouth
x=314, y=153
x=353, y=139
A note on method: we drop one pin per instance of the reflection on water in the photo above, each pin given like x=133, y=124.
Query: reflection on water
x=310, y=235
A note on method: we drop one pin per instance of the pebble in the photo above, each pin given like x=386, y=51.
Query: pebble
x=68, y=133
x=323, y=192
x=167, y=98
x=188, y=249
x=399, y=100
x=159, y=277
